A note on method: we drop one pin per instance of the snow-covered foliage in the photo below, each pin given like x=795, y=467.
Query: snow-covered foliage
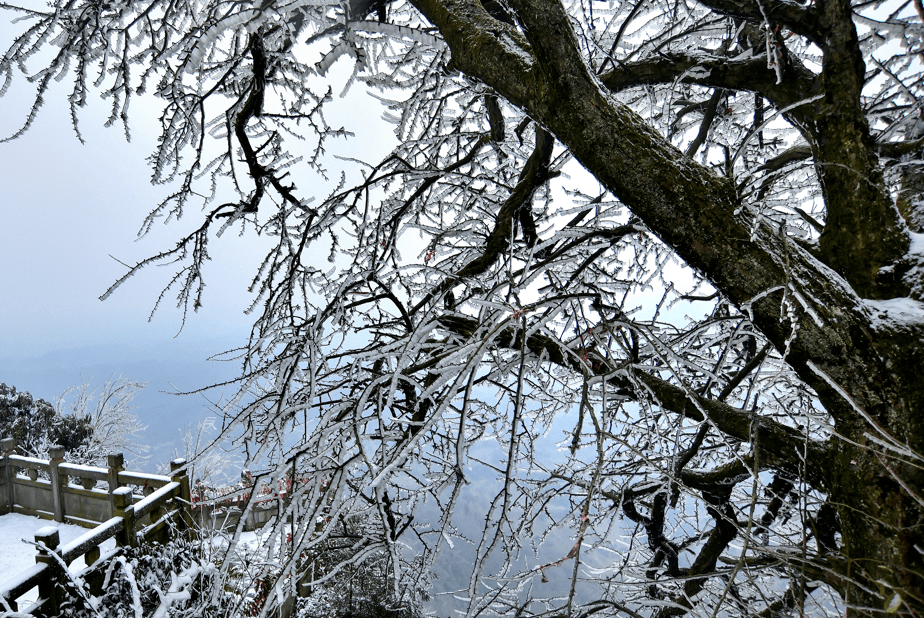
x=153, y=581
x=88, y=431
x=474, y=328
x=35, y=424
x=208, y=468
x=351, y=589
x=114, y=427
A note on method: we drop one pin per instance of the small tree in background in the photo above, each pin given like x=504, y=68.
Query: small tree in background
x=208, y=468
x=362, y=590
x=113, y=427
x=351, y=588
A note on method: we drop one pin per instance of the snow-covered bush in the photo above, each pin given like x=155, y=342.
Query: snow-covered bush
x=343, y=578
x=175, y=580
x=35, y=424
x=365, y=592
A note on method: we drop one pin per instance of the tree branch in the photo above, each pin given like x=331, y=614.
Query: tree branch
x=750, y=74
x=799, y=19
x=894, y=150
x=517, y=207
x=781, y=446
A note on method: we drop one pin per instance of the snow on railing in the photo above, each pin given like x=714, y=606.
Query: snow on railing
x=112, y=512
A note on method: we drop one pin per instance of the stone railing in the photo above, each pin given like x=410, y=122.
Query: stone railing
x=71, y=494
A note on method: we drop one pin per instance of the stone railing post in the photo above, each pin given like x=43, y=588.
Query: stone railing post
x=8, y=446
x=55, y=458
x=115, y=462
x=178, y=475
x=48, y=586
x=122, y=507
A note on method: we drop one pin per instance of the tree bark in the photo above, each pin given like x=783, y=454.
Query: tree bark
x=864, y=233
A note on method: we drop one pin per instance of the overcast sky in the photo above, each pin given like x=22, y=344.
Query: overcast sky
x=66, y=209
x=69, y=212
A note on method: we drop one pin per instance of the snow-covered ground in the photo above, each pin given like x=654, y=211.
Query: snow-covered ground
x=17, y=556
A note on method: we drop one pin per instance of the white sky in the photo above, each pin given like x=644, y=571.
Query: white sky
x=65, y=208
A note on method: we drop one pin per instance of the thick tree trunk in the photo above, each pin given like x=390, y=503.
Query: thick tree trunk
x=911, y=196
x=864, y=234
x=878, y=490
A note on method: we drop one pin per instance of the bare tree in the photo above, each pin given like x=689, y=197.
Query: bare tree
x=207, y=466
x=114, y=427
x=726, y=318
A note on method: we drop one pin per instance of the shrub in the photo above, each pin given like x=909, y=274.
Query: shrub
x=35, y=424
